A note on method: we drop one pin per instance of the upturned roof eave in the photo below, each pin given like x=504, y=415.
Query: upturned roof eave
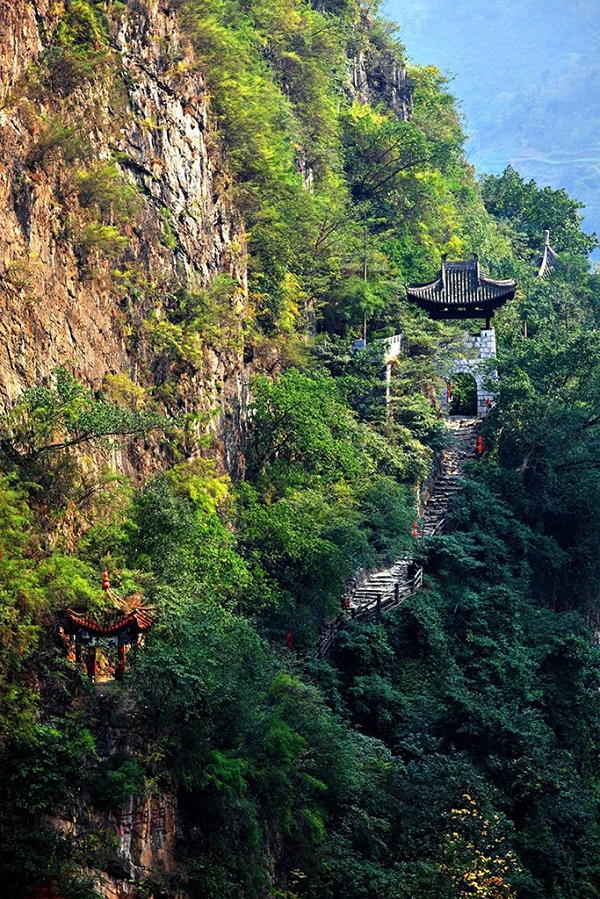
x=477, y=309
x=440, y=297
x=110, y=624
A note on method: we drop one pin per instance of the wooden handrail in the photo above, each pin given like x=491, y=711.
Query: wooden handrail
x=384, y=602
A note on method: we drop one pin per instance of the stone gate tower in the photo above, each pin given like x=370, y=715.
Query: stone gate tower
x=462, y=291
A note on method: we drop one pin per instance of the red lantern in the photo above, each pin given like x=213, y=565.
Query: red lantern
x=105, y=581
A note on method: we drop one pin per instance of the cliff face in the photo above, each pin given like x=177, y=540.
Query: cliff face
x=115, y=215
x=76, y=289
x=136, y=839
x=381, y=77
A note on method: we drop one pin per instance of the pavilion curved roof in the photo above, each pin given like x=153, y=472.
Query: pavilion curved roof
x=106, y=622
x=461, y=290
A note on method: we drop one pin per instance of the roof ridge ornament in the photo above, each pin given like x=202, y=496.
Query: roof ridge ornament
x=121, y=612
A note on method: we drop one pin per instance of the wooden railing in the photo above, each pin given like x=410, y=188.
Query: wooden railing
x=438, y=528
x=384, y=602
x=390, y=599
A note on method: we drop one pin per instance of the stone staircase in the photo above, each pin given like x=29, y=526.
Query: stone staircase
x=462, y=450
x=383, y=589
x=375, y=591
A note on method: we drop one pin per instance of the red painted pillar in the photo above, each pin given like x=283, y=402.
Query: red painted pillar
x=120, y=670
x=90, y=662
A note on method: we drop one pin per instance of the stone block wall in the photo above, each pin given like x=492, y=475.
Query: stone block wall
x=477, y=352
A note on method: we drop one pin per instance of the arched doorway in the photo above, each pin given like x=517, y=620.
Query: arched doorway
x=462, y=395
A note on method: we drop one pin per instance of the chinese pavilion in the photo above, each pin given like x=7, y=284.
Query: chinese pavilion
x=462, y=290
x=120, y=626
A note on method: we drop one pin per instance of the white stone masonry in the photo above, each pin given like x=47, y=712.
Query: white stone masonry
x=477, y=352
x=392, y=346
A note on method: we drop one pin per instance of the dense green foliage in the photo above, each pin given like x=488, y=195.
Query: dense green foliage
x=448, y=750
x=530, y=211
x=328, y=185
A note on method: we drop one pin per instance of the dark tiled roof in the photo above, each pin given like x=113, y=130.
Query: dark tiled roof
x=461, y=290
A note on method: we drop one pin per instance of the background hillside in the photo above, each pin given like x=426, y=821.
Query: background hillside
x=528, y=78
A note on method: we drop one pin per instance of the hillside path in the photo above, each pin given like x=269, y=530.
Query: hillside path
x=378, y=590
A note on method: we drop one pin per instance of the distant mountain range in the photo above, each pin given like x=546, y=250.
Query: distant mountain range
x=527, y=74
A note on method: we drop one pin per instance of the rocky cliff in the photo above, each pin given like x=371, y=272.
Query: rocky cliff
x=378, y=75
x=135, y=839
x=382, y=78
x=112, y=200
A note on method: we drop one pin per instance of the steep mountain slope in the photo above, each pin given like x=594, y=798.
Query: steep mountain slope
x=206, y=202
x=110, y=203
x=527, y=84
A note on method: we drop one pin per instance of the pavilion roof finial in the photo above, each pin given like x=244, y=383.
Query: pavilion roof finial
x=548, y=259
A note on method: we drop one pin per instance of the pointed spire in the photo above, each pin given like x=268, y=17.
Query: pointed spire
x=548, y=259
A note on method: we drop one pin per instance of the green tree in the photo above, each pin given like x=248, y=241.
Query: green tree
x=531, y=210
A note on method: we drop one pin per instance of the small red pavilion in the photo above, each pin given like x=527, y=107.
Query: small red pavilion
x=121, y=626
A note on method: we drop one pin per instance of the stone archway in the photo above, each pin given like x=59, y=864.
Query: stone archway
x=462, y=390
x=473, y=358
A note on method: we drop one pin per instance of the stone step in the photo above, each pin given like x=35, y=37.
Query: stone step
x=381, y=587
x=438, y=498
x=445, y=490
x=375, y=589
x=435, y=506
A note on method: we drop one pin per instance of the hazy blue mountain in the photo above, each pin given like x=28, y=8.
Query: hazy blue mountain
x=528, y=75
